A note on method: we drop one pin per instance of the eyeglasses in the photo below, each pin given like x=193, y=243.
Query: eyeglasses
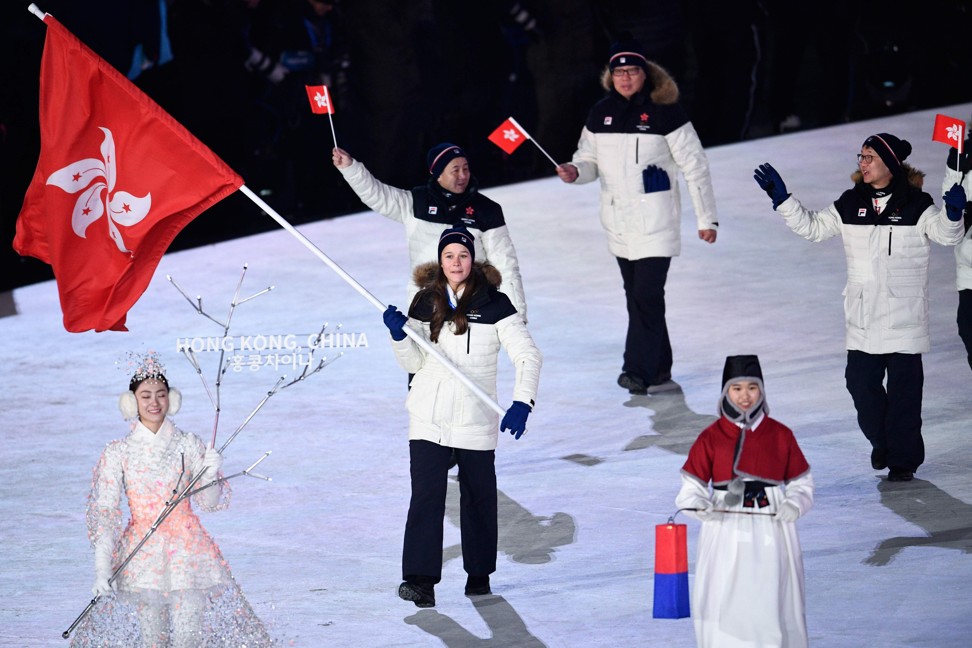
x=867, y=159
x=628, y=72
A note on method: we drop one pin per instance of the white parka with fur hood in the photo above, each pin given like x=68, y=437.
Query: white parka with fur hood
x=619, y=140
x=441, y=409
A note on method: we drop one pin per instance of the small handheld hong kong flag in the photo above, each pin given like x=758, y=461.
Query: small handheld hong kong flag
x=320, y=100
x=321, y=104
x=951, y=131
x=671, y=599
x=508, y=136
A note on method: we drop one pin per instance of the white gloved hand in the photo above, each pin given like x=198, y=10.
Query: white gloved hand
x=788, y=512
x=703, y=509
x=101, y=587
x=103, y=570
x=212, y=461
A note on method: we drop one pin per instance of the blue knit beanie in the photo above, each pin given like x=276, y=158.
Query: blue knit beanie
x=461, y=235
x=627, y=51
x=890, y=149
x=441, y=155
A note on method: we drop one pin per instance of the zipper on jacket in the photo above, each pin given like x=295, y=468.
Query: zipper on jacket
x=890, y=232
x=636, y=151
x=468, y=339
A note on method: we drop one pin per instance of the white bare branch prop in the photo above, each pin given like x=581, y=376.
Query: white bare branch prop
x=177, y=495
x=221, y=368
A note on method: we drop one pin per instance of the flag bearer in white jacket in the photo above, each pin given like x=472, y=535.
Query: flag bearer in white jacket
x=957, y=172
x=449, y=198
x=887, y=223
x=637, y=139
x=459, y=310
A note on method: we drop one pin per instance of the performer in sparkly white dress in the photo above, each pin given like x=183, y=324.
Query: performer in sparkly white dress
x=177, y=589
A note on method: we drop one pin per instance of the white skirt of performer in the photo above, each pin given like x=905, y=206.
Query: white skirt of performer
x=748, y=590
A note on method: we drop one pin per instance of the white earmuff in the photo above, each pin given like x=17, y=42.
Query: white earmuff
x=128, y=405
x=175, y=401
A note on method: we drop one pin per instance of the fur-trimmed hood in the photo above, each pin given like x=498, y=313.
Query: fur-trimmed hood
x=424, y=274
x=915, y=177
x=664, y=90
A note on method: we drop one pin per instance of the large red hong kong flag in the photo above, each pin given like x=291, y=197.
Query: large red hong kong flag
x=117, y=179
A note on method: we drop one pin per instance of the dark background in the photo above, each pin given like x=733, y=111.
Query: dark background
x=407, y=74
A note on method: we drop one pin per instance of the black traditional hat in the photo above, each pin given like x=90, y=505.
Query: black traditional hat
x=739, y=368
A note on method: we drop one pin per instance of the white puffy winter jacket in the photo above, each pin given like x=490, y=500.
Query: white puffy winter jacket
x=886, y=295
x=443, y=410
x=963, y=251
x=493, y=245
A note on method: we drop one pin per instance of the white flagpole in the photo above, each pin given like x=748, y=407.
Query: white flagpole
x=330, y=113
x=416, y=337
x=529, y=137
x=960, y=147
x=34, y=9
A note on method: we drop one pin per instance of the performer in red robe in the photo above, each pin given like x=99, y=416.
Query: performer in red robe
x=748, y=482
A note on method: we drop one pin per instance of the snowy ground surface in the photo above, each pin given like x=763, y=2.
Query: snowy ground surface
x=317, y=550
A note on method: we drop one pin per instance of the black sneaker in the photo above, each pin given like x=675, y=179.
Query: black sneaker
x=632, y=383
x=422, y=596
x=898, y=474
x=878, y=462
x=477, y=586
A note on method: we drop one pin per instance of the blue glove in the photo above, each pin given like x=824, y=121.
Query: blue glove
x=770, y=181
x=655, y=179
x=515, y=419
x=395, y=321
x=954, y=202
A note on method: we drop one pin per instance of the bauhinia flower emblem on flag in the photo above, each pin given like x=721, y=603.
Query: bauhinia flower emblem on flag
x=511, y=134
x=953, y=132
x=949, y=130
x=96, y=180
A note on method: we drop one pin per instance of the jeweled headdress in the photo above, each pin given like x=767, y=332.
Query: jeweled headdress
x=143, y=366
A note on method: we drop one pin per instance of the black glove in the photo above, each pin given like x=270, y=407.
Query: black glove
x=954, y=202
x=961, y=160
x=395, y=321
x=655, y=179
x=770, y=181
